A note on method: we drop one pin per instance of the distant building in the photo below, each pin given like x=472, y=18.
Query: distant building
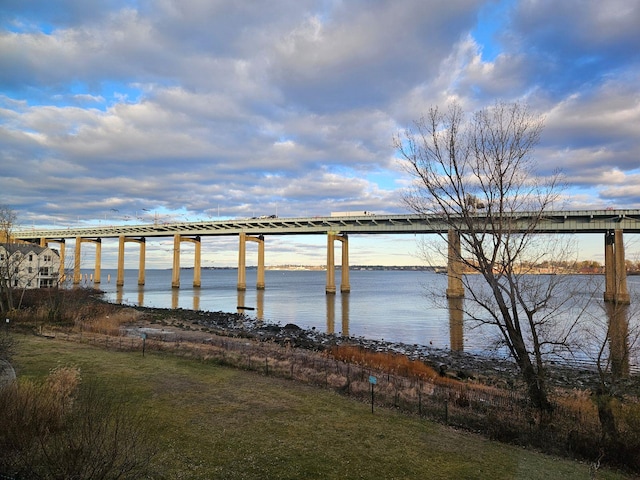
x=25, y=265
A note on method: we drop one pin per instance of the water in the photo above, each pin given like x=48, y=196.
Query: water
x=396, y=306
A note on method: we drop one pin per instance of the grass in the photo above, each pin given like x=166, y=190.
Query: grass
x=217, y=422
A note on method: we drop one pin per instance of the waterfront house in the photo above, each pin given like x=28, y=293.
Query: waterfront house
x=24, y=265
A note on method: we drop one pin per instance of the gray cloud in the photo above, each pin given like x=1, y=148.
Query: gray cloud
x=198, y=108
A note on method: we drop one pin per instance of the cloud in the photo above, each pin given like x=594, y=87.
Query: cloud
x=197, y=108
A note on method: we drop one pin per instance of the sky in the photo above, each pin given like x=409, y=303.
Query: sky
x=135, y=111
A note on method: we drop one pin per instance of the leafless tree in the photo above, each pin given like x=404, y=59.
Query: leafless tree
x=475, y=175
x=7, y=222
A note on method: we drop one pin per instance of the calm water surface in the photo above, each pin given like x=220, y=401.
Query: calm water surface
x=397, y=306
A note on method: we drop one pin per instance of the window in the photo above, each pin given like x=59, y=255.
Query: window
x=30, y=269
x=31, y=257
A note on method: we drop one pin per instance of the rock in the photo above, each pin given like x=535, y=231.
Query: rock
x=7, y=374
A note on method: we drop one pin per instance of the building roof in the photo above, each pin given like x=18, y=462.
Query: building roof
x=23, y=248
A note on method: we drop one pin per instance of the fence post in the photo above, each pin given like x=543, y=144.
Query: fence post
x=446, y=412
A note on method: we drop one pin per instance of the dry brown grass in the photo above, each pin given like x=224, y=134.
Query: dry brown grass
x=387, y=362
x=109, y=321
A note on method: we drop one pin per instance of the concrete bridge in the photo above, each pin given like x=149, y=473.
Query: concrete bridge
x=610, y=223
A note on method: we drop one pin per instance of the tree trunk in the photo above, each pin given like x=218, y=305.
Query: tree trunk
x=536, y=386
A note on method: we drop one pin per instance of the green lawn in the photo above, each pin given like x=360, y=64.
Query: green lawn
x=213, y=422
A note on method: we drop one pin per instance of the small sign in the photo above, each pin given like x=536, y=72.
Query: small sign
x=372, y=380
x=143, y=335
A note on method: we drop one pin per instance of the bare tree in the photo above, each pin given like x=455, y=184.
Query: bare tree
x=475, y=174
x=7, y=269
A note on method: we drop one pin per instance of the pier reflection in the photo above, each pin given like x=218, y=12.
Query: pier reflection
x=456, y=314
x=175, y=297
x=331, y=313
x=241, y=301
x=617, y=316
x=260, y=304
x=242, y=307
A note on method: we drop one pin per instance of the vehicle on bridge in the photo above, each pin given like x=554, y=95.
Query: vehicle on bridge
x=357, y=213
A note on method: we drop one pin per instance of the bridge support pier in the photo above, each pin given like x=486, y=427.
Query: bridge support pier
x=615, y=271
x=77, y=274
x=141, y=265
x=175, y=277
x=96, y=271
x=455, y=287
x=345, y=287
x=242, y=261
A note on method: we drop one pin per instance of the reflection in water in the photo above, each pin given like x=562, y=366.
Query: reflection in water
x=119, y=294
x=331, y=313
x=260, y=304
x=241, y=300
x=175, y=297
x=196, y=298
x=345, y=313
x=618, y=339
x=455, y=324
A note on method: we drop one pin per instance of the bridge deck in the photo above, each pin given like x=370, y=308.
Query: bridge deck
x=585, y=221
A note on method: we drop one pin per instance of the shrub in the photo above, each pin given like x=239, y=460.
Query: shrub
x=62, y=429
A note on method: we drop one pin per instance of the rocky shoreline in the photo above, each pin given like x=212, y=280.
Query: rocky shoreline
x=462, y=365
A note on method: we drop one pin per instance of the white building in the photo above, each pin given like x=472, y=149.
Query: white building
x=25, y=265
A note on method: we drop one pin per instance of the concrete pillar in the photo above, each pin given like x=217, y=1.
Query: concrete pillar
x=615, y=269
x=331, y=265
x=242, y=274
x=622, y=294
x=197, y=264
x=175, y=278
x=120, y=275
x=96, y=274
x=455, y=287
x=62, y=276
x=197, y=274
x=76, y=262
x=260, y=285
x=98, y=244
x=141, y=263
x=345, y=286
x=609, y=268
x=242, y=255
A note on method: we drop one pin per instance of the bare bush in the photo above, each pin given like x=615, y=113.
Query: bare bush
x=62, y=429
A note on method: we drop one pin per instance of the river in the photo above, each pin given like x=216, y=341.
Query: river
x=398, y=306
